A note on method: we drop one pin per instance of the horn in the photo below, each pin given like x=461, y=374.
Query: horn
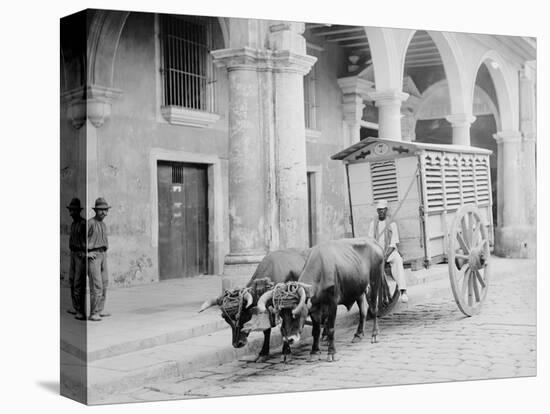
x=308, y=288
x=248, y=297
x=208, y=304
x=302, y=293
x=263, y=300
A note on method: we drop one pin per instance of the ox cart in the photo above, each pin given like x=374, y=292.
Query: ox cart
x=440, y=198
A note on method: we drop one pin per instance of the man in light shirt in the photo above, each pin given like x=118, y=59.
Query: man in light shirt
x=386, y=234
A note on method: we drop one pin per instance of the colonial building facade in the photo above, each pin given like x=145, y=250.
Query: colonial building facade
x=211, y=137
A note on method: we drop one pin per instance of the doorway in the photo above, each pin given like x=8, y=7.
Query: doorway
x=183, y=219
x=311, y=209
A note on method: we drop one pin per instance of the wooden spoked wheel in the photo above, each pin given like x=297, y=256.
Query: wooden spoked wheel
x=468, y=256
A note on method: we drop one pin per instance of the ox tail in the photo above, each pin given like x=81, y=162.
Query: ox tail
x=376, y=280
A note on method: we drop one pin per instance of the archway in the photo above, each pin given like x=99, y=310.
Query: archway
x=486, y=125
x=425, y=80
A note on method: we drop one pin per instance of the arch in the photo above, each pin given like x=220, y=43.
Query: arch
x=103, y=38
x=439, y=88
x=386, y=46
x=452, y=58
x=503, y=80
x=224, y=26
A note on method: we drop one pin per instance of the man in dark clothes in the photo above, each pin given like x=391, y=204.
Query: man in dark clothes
x=97, y=260
x=77, y=269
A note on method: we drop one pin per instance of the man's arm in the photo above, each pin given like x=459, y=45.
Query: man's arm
x=91, y=239
x=394, y=235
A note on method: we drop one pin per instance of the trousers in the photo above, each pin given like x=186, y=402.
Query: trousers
x=77, y=281
x=99, y=280
x=397, y=270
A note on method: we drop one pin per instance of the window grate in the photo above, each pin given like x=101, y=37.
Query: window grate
x=384, y=180
x=177, y=174
x=185, y=62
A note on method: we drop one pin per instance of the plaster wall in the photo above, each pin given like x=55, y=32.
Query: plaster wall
x=331, y=211
x=125, y=144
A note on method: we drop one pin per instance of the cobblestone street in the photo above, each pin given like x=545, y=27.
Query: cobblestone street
x=427, y=340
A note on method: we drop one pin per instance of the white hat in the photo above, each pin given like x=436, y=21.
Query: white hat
x=382, y=204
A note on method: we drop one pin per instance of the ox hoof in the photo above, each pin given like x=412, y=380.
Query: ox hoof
x=262, y=358
x=374, y=339
x=314, y=356
x=356, y=338
x=331, y=358
x=286, y=358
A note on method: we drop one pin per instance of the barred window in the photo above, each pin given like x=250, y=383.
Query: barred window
x=310, y=98
x=186, y=63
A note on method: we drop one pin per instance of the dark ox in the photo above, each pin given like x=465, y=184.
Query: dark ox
x=276, y=267
x=336, y=272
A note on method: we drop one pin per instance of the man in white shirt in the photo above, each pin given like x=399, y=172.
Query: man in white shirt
x=387, y=235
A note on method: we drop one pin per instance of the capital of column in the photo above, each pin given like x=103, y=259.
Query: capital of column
x=388, y=97
x=92, y=102
x=504, y=137
x=461, y=120
x=263, y=60
x=356, y=86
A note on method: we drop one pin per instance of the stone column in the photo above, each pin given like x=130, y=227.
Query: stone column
x=389, y=112
x=247, y=182
x=461, y=128
x=528, y=127
x=513, y=238
x=408, y=125
x=290, y=64
x=354, y=92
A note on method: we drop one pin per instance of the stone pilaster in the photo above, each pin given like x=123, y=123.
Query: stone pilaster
x=88, y=108
x=290, y=64
x=513, y=237
x=354, y=92
x=389, y=112
x=461, y=128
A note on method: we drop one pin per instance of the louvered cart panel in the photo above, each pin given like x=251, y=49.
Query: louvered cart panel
x=440, y=198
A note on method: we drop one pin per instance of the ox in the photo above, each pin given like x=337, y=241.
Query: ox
x=336, y=272
x=276, y=267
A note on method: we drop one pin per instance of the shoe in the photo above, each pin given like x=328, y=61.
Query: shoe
x=404, y=298
x=95, y=317
x=104, y=314
x=80, y=317
x=71, y=311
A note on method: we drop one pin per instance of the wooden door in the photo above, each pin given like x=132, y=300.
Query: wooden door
x=312, y=209
x=183, y=219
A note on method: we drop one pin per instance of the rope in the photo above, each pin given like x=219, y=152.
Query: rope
x=232, y=303
x=285, y=296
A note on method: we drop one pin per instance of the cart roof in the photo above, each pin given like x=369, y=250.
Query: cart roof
x=411, y=145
